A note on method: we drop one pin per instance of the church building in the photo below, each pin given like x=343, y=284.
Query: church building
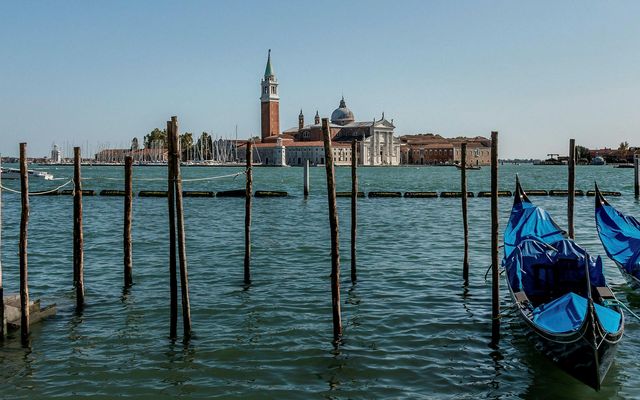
x=296, y=145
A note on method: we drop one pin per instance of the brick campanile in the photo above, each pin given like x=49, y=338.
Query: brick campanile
x=269, y=102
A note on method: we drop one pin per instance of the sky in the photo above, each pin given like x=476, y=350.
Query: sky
x=98, y=73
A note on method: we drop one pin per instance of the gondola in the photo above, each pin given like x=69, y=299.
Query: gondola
x=620, y=237
x=560, y=293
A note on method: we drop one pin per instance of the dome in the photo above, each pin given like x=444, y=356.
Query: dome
x=342, y=115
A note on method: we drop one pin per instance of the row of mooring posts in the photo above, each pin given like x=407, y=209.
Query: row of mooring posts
x=177, y=251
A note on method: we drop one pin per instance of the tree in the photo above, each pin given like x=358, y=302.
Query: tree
x=623, y=152
x=186, y=144
x=156, y=135
x=204, y=146
x=582, y=153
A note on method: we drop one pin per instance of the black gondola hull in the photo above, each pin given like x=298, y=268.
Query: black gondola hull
x=578, y=353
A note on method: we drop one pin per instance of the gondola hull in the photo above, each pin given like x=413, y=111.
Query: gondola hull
x=576, y=353
x=632, y=281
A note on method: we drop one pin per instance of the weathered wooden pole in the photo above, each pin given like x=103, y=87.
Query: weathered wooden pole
x=333, y=223
x=128, y=207
x=306, y=178
x=354, y=207
x=247, y=215
x=636, y=174
x=465, y=222
x=2, y=323
x=571, y=187
x=495, y=283
x=78, y=237
x=24, y=221
x=182, y=251
x=173, y=279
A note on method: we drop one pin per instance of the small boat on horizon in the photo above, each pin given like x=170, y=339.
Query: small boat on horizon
x=14, y=173
x=469, y=167
x=560, y=293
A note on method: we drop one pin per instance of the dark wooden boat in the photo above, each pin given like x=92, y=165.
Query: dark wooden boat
x=469, y=167
x=561, y=294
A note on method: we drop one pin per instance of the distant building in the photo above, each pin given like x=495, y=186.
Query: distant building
x=376, y=143
x=432, y=149
x=614, y=155
x=56, y=154
x=295, y=146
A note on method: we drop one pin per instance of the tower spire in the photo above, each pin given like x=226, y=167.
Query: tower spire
x=268, y=71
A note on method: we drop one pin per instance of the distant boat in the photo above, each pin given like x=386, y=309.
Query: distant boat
x=469, y=167
x=624, y=166
x=598, y=161
x=13, y=173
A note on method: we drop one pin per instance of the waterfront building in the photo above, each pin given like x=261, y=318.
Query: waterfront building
x=295, y=146
x=376, y=143
x=432, y=149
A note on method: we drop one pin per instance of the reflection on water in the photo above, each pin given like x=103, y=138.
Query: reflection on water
x=411, y=330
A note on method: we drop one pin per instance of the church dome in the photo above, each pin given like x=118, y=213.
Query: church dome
x=342, y=115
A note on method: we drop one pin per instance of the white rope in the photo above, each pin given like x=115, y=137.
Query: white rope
x=37, y=193
x=215, y=177
x=208, y=178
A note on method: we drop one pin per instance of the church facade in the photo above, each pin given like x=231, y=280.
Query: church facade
x=295, y=146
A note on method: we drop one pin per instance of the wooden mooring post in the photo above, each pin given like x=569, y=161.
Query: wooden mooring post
x=247, y=215
x=182, y=251
x=495, y=276
x=2, y=324
x=78, y=237
x=354, y=208
x=22, y=250
x=465, y=222
x=306, y=178
x=333, y=223
x=571, y=189
x=128, y=207
x=173, y=279
x=636, y=175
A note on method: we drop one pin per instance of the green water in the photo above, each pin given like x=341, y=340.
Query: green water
x=411, y=329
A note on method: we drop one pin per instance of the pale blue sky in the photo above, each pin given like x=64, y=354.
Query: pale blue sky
x=106, y=71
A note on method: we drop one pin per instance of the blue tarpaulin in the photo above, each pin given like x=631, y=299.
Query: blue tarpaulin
x=565, y=314
x=620, y=237
x=530, y=222
x=552, y=271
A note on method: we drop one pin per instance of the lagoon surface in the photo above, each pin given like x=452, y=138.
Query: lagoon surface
x=412, y=330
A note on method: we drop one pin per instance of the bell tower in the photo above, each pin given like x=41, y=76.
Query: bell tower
x=269, y=102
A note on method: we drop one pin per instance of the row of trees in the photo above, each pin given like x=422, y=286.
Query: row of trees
x=202, y=149
x=624, y=153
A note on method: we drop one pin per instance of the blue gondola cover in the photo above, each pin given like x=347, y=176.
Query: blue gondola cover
x=565, y=314
x=620, y=236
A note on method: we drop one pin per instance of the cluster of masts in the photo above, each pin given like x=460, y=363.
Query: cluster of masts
x=207, y=150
